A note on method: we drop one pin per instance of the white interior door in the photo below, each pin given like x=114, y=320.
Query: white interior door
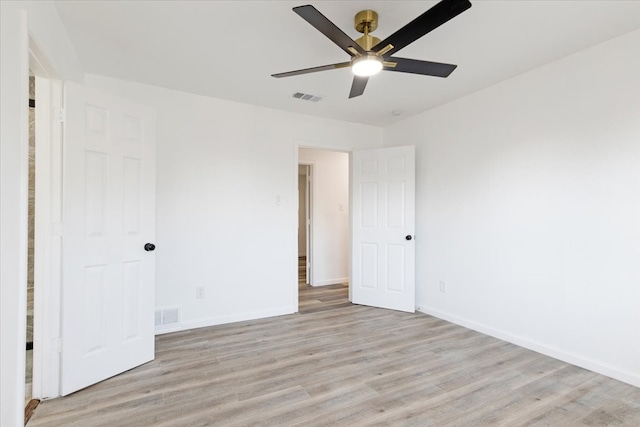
x=383, y=223
x=108, y=216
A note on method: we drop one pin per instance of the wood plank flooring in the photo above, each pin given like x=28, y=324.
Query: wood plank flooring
x=338, y=364
x=314, y=299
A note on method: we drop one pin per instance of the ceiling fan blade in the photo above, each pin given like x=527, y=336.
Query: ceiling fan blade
x=415, y=66
x=312, y=70
x=358, y=85
x=328, y=28
x=428, y=21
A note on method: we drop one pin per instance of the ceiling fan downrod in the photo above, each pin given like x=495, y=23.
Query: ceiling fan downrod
x=366, y=21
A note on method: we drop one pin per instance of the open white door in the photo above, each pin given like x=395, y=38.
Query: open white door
x=383, y=223
x=108, y=216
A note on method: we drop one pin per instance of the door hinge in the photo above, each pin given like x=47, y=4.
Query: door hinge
x=60, y=115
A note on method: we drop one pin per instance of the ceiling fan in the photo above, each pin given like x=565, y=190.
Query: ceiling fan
x=369, y=55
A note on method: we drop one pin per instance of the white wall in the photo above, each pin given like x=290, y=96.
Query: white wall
x=13, y=214
x=221, y=169
x=330, y=215
x=528, y=207
x=17, y=21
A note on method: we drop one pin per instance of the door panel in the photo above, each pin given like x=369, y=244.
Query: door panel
x=108, y=215
x=383, y=260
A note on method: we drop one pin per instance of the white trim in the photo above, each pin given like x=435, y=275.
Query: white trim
x=310, y=193
x=572, y=358
x=39, y=63
x=350, y=251
x=47, y=254
x=48, y=199
x=337, y=281
x=294, y=225
x=42, y=230
x=231, y=318
x=310, y=279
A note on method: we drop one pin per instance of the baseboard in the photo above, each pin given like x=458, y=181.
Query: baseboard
x=337, y=281
x=572, y=358
x=221, y=320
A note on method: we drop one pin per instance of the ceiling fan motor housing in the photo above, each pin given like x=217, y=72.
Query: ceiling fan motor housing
x=366, y=21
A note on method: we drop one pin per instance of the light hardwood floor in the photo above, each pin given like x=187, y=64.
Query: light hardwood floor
x=344, y=365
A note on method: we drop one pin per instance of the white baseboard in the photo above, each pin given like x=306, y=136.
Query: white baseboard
x=572, y=358
x=220, y=320
x=337, y=281
x=167, y=330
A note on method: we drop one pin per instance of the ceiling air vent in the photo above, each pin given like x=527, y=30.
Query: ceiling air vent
x=307, y=97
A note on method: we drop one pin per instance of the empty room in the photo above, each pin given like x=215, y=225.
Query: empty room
x=402, y=213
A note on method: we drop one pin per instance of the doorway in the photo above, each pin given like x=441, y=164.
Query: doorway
x=323, y=219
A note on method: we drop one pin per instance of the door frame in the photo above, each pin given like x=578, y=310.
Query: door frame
x=297, y=145
x=47, y=226
x=309, y=193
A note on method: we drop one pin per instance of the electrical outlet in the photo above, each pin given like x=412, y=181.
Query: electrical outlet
x=200, y=292
x=443, y=286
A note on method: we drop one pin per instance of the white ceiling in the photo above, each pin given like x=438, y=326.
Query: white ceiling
x=229, y=49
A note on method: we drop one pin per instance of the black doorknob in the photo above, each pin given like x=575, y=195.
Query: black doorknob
x=149, y=247
x=408, y=237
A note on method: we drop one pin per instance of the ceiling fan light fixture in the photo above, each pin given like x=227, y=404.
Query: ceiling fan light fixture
x=366, y=66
